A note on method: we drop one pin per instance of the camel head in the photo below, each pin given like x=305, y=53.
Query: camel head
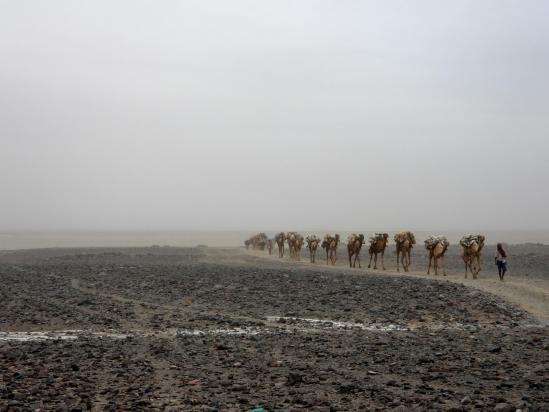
x=361, y=238
x=412, y=238
x=336, y=237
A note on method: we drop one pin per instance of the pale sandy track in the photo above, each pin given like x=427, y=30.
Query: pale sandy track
x=531, y=295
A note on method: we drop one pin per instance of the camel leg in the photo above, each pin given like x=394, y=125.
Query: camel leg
x=474, y=268
x=350, y=257
x=409, y=253
x=443, y=266
x=358, y=258
x=398, y=256
x=383, y=260
x=327, y=251
x=429, y=268
x=370, y=264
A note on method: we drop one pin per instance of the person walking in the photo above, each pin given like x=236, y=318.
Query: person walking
x=501, y=261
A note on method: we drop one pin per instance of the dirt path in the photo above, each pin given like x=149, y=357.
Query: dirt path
x=531, y=295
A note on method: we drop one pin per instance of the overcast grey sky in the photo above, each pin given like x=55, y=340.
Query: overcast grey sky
x=279, y=114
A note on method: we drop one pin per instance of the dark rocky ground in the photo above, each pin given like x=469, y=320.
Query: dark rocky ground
x=460, y=349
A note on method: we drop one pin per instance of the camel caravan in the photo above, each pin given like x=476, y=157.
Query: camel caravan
x=436, y=246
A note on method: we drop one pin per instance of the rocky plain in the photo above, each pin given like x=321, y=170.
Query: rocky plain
x=211, y=329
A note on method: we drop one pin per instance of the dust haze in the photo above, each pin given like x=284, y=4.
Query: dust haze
x=212, y=115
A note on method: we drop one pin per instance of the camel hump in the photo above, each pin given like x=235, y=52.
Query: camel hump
x=405, y=236
x=469, y=240
x=377, y=237
x=432, y=241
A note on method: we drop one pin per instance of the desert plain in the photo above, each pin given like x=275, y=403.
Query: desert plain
x=225, y=329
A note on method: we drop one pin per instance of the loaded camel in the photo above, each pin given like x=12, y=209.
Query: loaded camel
x=258, y=241
x=354, y=245
x=298, y=246
x=378, y=244
x=312, y=244
x=405, y=241
x=330, y=245
x=472, y=247
x=295, y=243
x=437, y=247
x=279, y=239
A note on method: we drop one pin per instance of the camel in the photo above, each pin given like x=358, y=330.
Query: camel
x=298, y=246
x=405, y=241
x=472, y=247
x=270, y=246
x=437, y=247
x=280, y=238
x=290, y=238
x=330, y=244
x=295, y=244
x=378, y=244
x=313, y=242
x=258, y=241
x=354, y=245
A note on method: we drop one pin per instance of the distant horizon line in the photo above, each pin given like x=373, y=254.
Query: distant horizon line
x=38, y=231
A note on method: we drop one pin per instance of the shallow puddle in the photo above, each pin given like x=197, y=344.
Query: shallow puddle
x=38, y=336
x=332, y=324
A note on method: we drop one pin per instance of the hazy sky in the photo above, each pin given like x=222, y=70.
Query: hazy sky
x=274, y=114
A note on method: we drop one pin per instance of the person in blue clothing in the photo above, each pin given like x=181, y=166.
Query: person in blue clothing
x=501, y=261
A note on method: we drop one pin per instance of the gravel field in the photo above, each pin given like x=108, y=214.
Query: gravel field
x=168, y=328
